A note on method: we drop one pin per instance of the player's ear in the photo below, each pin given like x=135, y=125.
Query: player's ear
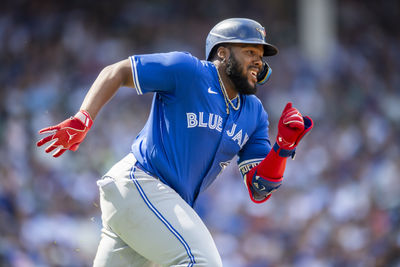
x=222, y=53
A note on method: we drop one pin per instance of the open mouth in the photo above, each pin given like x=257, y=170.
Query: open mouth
x=254, y=74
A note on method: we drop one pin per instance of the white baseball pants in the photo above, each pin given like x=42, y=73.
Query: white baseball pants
x=146, y=223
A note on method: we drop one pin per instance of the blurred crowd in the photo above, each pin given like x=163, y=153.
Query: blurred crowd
x=340, y=201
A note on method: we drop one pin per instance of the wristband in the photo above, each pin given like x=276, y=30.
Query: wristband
x=285, y=153
x=85, y=118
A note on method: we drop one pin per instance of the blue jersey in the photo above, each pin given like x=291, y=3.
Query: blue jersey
x=189, y=137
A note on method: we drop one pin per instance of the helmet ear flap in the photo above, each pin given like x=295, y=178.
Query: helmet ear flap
x=264, y=74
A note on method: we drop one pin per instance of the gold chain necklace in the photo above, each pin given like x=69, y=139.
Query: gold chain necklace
x=226, y=97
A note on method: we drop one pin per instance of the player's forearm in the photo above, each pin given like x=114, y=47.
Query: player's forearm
x=110, y=79
x=273, y=166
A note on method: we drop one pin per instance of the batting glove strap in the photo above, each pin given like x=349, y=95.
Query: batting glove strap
x=260, y=188
x=265, y=186
x=285, y=153
x=85, y=118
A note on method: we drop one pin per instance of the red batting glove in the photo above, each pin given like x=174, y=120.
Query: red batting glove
x=291, y=129
x=68, y=134
x=267, y=177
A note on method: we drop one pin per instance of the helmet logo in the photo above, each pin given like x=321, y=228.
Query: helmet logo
x=262, y=31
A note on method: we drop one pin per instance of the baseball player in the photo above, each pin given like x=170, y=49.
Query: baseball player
x=204, y=112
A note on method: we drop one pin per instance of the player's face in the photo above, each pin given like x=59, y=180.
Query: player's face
x=243, y=65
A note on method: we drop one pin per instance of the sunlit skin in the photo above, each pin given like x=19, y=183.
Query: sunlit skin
x=239, y=65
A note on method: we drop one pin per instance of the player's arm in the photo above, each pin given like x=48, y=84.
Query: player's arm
x=70, y=133
x=110, y=79
x=266, y=177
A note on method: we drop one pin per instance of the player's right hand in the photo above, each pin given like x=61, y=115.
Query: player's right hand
x=292, y=127
x=68, y=134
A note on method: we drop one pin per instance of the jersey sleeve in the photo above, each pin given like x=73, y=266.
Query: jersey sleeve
x=257, y=147
x=162, y=72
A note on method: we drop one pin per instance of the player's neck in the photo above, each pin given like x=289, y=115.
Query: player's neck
x=227, y=83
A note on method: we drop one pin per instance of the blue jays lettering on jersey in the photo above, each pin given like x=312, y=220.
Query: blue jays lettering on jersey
x=189, y=137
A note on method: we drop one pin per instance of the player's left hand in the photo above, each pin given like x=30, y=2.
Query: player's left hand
x=292, y=128
x=68, y=134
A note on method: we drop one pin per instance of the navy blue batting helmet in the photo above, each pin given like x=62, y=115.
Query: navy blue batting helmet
x=240, y=31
